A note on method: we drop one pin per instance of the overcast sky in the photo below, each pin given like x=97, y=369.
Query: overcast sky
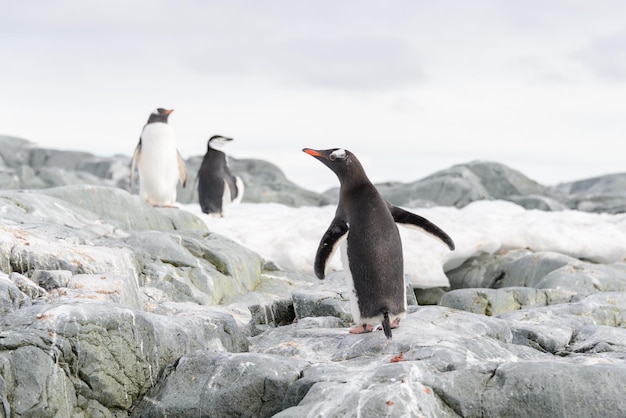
x=411, y=87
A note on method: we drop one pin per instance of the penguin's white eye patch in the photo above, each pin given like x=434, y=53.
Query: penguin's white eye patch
x=340, y=153
x=217, y=143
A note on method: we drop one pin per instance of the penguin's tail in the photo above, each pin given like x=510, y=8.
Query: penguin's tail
x=386, y=325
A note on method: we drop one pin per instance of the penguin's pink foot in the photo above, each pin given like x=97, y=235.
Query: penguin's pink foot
x=361, y=329
x=395, y=324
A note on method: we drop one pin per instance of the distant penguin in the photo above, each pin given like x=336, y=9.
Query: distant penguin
x=372, y=252
x=160, y=164
x=217, y=187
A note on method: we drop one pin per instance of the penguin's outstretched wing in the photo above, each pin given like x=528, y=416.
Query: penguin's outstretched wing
x=331, y=239
x=412, y=220
x=133, y=164
x=182, y=169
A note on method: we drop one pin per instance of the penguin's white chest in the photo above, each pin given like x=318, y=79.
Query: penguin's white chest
x=158, y=165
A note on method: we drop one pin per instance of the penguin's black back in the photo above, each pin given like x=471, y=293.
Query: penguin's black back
x=213, y=170
x=374, y=251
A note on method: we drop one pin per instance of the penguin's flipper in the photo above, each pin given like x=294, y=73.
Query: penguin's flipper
x=231, y=183
x=182, y=169
x=412, y=220
x=330, y=241
x=133, y=164
x=239, y=186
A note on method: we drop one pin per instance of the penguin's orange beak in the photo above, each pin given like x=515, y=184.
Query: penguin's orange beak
x=312, y=152
x=167, y=112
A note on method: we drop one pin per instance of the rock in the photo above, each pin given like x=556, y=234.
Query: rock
x=600, y=339
x=11, y=297
x=527, y=393
x=539, y=202
x=329, y=297
x=224, y=385
x=263, y=182
x=462, y=184
x=496, y=301
x=597, y=194
x=27, y=286
x=124, y=210
x=170, y=249
x=23, y=165
x=114, y=308
x=108, y=354
x=308, y=303
x=51, y=279
x=526, y=268
x=14, y=151
x=586, y=278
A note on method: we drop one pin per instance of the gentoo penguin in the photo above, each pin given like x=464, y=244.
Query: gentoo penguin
x=216, y=185
x=160, y=163
x=372, y=254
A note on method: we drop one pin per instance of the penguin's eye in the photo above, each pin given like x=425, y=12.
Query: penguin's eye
x=338, y=153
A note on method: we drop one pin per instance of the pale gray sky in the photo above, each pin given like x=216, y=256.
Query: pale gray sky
x=411, y=87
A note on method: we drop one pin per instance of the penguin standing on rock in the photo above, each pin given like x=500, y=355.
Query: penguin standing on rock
x=217, y=186
x=372, y=254
x=160, y=164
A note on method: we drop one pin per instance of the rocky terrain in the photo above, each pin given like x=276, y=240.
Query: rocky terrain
x=113, y=308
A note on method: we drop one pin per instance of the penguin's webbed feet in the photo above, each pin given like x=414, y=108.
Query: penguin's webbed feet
x=361, y=329
x=395, y=324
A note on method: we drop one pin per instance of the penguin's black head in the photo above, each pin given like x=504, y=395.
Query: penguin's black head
x=159, y=115
x=216, y=142
x=343, y=163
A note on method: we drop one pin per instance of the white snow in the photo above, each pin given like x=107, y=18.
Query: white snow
x=290, y=236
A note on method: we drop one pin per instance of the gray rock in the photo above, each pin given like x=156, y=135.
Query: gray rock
x=14, y=152
x=493, y=302
x=586, y=278
x=311, y=303
x=275, y=314
x=383, y=377
x=223, y=385
x=517, y=389
x=123, y=210
x=27, y=286
x=539, y=202
x=597, y=194
x=600, y=339
x=462, y=184
x=517, y=268
x=263, y=182
x=266, y=183
x=54, y=354
x=25, y=166
x=528, y=393
x=112, y=307
x=11, y=297
x=51, y=279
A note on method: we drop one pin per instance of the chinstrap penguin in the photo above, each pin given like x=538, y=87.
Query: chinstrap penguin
x=160, y=164
x=217, y=186
x=372, y=251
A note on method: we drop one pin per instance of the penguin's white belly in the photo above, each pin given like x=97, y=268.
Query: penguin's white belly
x=354, y=298
x=158, y=165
